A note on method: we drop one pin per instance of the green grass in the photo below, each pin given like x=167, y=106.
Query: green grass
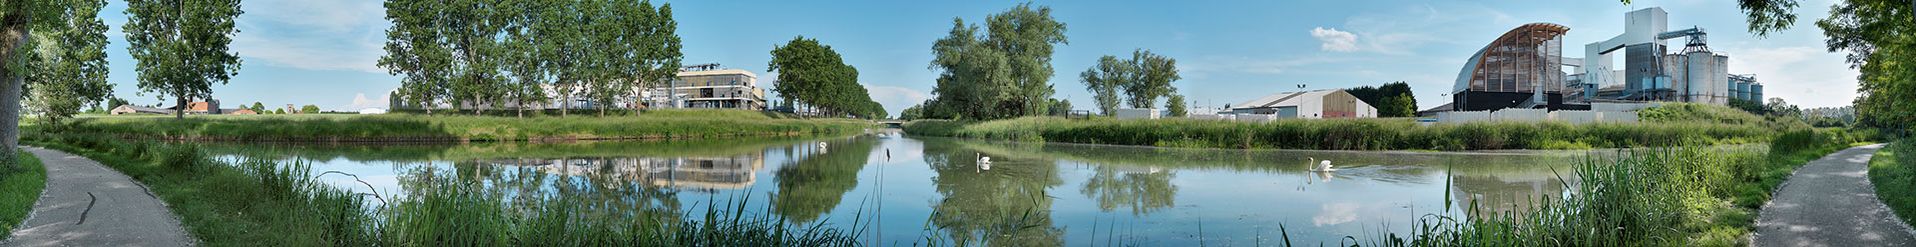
x=1893, y=172
x=656, y=124
x=19, y=189
x=1346, y=134
x=1676, y=196
x=263, y=201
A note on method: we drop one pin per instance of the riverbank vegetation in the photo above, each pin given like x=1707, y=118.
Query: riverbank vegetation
x=1676, y=124
x=657, y=124
x=1893, y=172
x=1680, y=196
x=264, y=201
x=19, y=190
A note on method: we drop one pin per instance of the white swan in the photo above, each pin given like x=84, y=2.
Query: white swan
x=984, y=162
x=1323, y=166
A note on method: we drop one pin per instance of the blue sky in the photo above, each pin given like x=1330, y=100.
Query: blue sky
x=323, y=52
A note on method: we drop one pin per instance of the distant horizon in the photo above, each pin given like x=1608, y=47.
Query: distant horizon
x=324, y=52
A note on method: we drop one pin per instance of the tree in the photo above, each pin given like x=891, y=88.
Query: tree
x=815, y=74
x=1391, y=99
x=1881, y=41
x=1059, y=107
x=309, y=109
x=1104, y=80
x=1175, y=104
x=259, y=108
x=1151, y=78
x=1001, y=72
x=70, y=64
x=279, y=111
x=416, y=52
x=182, y=46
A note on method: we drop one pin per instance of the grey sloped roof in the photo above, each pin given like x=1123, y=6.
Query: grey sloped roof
x=1283, y=99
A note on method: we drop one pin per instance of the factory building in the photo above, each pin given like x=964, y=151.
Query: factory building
x=1525, y=68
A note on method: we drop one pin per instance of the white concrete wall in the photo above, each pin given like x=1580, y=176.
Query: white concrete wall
x=1520, y=115
x=1256, y=118
x=1136, y=113
x=1537, y=115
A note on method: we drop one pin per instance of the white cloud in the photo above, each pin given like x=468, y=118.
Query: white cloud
x=361, y=102
x=1803, y=75
x=314, y=35
x=1335, y=213
x=1334, y=40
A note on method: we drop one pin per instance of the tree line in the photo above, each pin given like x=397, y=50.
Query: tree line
x=813, y=73
x=475, y=54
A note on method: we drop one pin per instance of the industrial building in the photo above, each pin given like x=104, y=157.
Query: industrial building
x=1525, y=68
x=1521, y=69
x=1328, y=103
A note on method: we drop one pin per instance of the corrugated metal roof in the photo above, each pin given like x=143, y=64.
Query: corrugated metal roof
x=1283, y=99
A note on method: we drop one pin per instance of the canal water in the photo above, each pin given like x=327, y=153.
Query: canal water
x=901, y=190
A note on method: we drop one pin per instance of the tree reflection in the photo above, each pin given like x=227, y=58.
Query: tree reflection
x=1006, y=206
x=1143, y=189
x=818, y=179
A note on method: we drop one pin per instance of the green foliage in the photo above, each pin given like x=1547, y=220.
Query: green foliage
x=1893, y=171
x=1175, y=104
x=1059, y=107
x=1000, y=73
x=482, y=54
x=182, y=47
x=1346, y=134
x=660, y=124
x=19, y=190
x=813, y=73
x=1391, y=100
x=309, y=109
x=69, y=62
x=1882, y=45
x=1143, y=79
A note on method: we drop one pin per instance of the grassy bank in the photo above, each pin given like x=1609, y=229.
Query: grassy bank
x=1682, y=196
x=657, y=124
x=19, y=189
x=257, y=201
x=1893, y=172
x=1346, y=134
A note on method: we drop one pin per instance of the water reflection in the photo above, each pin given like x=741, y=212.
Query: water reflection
x=1006, y=206
x=815, y=182
x=911, y=189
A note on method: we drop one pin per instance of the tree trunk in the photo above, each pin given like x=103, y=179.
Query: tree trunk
x=179, y=110
x=15, y=41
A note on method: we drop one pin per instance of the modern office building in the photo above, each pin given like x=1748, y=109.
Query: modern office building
x=1521, y=69
x=707, y=86
x=1328, y=103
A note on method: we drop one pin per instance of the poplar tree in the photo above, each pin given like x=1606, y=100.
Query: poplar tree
x=69, y=64
x=182, y=46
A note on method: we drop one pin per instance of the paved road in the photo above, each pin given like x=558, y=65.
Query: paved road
x=87, y=204
x=1830, y=202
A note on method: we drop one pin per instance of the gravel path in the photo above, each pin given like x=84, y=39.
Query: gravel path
x=87, y=204
x=1830, y=202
